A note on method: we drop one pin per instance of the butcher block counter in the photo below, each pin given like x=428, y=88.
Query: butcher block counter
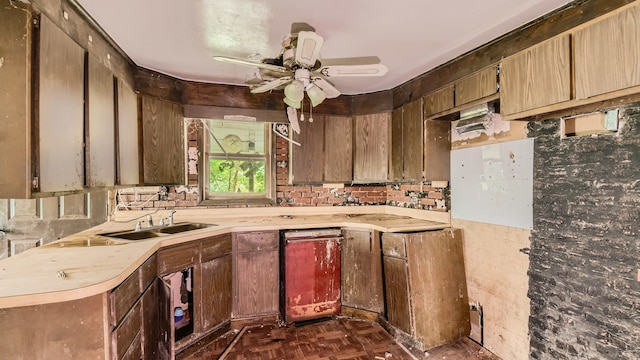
x=86, y=263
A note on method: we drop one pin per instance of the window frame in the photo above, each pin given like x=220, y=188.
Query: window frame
x=268, y=197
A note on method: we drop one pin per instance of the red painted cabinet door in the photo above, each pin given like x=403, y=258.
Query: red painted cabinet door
x=312, y=279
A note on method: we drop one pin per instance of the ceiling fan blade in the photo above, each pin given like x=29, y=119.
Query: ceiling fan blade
x=301, y=26
x=326, y=86
x=271, y=85
x=308, y=48
x=260, y=65
x=292, y=115
x=353, y=70
x=360, y=60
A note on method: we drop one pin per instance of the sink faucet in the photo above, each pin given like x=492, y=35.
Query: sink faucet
x=150, y=220
x=171, y=217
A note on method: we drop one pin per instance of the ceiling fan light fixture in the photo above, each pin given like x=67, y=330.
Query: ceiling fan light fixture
x=294, y=91
x=316, y=95
x=292, y=103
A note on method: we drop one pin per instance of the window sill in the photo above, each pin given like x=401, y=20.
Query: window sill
x=237, y=202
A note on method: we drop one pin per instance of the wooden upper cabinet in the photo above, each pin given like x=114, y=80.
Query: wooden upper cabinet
x=163, y=142
x=536, y=77
x=101, y=152
x=437, y=150
x=476, y=86
x=325, y=151
x=128, y=160
x=307, y=163
x=438, y=101
x=396, y=147
x=607, y=54
x=60, y=125
x=412, y=140
x=338, y=149
x=371, y=147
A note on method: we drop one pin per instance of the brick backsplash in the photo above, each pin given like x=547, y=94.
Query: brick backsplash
x=416, y=196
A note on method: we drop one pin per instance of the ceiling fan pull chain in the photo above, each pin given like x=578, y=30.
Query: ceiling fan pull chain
x=302, y=110
x=310, y=114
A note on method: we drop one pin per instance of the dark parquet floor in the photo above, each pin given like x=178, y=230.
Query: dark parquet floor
x=338, y=339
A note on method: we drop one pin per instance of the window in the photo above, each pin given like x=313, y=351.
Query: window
x=237, y=162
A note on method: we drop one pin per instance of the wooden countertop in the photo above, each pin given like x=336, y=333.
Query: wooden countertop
x=52, y=273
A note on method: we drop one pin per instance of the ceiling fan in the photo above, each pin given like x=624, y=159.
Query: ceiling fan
x=299, y=69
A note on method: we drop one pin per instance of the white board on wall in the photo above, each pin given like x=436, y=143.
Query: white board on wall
x=494, y=184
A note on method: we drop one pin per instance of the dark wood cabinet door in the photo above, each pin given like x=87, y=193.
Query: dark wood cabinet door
x=61, y=110
x=338, y=150
x=216, y=284
x=256, y=283
x=128, y=161
x=166, y=346
x=396, y=279
x=362, y=270
x=101, y=140
x=396, y=162
x=371, y=148
x=152, y=335
x=437, y=150
x=163, y=142
x=412, y=141
x=178, y=258
x=307, y=160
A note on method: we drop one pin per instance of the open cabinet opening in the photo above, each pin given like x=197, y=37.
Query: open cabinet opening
x=181, y=284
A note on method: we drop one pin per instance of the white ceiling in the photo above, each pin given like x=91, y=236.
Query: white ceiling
x=410, y=37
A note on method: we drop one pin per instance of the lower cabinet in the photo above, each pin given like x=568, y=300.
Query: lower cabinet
x=257, y=276
x=216, y=281
x=362, y=270
x=134, y=316
x=425, y=286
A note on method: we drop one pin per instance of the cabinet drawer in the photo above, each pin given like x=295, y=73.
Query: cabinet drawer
x=215, y=247
x=178, y=258
x=125, y=334
x=394, y=245
x=122, y=298
x=257, y=241
x=148, y=272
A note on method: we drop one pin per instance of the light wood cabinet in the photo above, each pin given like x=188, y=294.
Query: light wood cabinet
x=163, y=142
x=325, y=153
x=607, y=53
x=371, y=147
x=536, y=77
x=362, y=270
x=256, y=274
x=476, y=86
x=439, y=100
x=426, y=294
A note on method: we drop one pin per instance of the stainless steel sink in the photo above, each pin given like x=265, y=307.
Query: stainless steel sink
x=157, y=231
x=178, y=228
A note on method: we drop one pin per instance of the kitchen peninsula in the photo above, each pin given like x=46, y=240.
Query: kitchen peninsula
x=110, y=289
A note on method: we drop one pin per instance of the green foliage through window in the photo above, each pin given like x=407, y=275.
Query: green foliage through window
x=235, y=176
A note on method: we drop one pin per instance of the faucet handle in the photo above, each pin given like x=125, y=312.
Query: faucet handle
x=150, y=220
x=138, y=226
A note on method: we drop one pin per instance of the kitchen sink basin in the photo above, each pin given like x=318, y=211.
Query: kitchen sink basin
x=178, y=228
x=92, y=241
x=134, y=235
x=157, y=231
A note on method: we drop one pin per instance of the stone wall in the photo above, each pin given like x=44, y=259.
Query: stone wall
x=584, y=257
